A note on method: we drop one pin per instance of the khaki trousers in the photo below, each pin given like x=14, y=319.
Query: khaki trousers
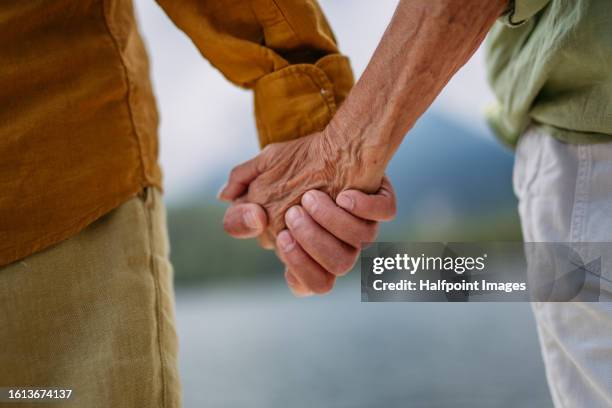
x=95, y=314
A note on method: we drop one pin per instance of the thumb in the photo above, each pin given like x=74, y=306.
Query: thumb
x=380, y=206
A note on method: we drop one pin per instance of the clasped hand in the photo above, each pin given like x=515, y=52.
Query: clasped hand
x=309, y=199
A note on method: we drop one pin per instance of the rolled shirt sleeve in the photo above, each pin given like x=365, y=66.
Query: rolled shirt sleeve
x=284, y=50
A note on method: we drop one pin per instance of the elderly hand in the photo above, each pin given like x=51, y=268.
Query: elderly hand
x=277, y=178
x=323, y=238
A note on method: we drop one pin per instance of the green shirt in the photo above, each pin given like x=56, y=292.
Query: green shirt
x=550, y=64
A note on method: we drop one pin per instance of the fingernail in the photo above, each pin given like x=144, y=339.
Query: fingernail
x=221, y=191
x=251, y=220
x=285, y=241
x=294, y=215
x=345, y=201
x=309, y=200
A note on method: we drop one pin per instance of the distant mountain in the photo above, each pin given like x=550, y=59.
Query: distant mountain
x=442, y=166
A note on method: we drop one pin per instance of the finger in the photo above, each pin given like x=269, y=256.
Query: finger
x=309, y=273
x=375, y=207
x=295, y=286
x=245, y=220
x=266, y=239
x=332, y=254
x=339, y=223
x=239, y=179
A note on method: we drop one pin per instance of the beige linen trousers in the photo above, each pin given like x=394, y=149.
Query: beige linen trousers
x=95, y=314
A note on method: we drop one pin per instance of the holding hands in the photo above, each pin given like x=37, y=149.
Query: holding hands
x=305, y=198
x=318, y=197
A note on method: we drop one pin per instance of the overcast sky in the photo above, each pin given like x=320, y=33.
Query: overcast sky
x=207, y=124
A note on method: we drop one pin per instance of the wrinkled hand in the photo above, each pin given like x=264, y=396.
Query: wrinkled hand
x=277, y=178
x=323, y=241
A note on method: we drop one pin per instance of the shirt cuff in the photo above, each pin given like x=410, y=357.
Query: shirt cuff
x=301, y=99
x=519, y=11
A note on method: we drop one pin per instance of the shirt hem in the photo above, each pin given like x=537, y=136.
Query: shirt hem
x=17, y=253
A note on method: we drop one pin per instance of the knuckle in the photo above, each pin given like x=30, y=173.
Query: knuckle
x=339, y=268
x=392, y=209
x=269, y=149
x=323, y=285
x=370, y=233
x=344, y=263
x=234, y=174
x=268, y=153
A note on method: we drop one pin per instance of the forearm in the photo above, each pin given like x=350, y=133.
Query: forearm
x=426, y=42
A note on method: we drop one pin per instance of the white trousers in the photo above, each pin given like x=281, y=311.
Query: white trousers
x=565, y=195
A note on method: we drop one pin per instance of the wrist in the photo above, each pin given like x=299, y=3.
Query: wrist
x=360, y=166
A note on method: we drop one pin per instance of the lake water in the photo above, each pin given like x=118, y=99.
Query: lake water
x=257, y=346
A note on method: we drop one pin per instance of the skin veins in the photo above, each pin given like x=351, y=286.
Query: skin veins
x=424, y=45
x=422, y=48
